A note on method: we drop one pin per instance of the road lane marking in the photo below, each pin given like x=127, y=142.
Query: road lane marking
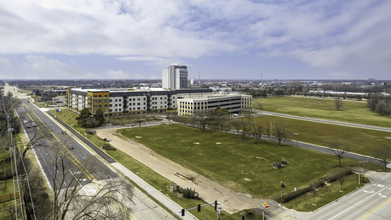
x=382, y=195
x=373, y=211
x=368, y=191
x=356, y=204
x=26, y=106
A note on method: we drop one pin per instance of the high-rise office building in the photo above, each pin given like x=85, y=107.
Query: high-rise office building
x=175, y=77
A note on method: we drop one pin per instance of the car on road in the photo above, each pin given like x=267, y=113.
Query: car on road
x=38, y=143
x=70, y=147
x=28, y=101
x=63, y=132
x=28, y=126
x=25, y=122
x=34, y=125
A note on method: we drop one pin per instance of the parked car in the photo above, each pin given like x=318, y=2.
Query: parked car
x=25, y=122
x=28, y=126
x=34, y=125
x=70, y=147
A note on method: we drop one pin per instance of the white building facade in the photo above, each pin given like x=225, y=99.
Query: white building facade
x=235, y=104
x=175, y=77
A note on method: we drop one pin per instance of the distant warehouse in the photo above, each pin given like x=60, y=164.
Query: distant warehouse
x=120, y=102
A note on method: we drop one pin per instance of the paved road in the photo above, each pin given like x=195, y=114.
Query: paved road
x=260, y=113
x=54, y=143
x=143, y=208
x=372, y=202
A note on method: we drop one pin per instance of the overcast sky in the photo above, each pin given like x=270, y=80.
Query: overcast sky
x=228, y=39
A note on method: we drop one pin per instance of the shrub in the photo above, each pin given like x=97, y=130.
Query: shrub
x=108, y=147
x=316, y=184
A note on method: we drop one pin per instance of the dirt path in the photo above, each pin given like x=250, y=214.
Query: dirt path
x=210, y=191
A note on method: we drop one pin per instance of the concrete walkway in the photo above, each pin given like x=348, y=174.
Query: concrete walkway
x=168, y=203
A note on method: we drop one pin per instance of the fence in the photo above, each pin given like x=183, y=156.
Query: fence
x=9, y=197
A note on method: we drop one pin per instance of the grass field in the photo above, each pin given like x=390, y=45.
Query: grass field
x=361, y=141
x=238, y=164
x=324, y=195
x=354, y=112
x=147, y=174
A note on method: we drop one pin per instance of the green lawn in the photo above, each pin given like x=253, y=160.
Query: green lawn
x=354, y=112
x=147, y=174
x=361, y=141
x=238, y=164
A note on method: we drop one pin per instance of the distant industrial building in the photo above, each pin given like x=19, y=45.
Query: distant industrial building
x=175, y=77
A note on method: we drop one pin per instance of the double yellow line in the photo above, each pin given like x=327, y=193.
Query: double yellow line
x=77, y=163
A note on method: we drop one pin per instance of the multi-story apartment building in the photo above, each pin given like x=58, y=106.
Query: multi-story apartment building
x=118, y=102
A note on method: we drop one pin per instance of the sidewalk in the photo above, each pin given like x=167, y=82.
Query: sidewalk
x=168, y=203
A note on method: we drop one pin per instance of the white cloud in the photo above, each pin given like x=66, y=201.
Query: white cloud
x=118, y=74
x=43, y=68
x=4, y=61
x=341, y=34
x=341, y=75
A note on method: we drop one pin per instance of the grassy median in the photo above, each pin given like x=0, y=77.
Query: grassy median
x=352, y=111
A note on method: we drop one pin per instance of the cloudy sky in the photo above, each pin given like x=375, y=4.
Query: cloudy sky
x=230, y=39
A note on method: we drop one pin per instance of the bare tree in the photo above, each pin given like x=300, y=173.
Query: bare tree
x=34, y=140
x=281, y=132
x=268, y=131
x=257, y=131
x=339, y=150
x=71, y=201
x=139, y=120
x=338, y=103
x=236, y=124
x=383, y=153
x=341, y=178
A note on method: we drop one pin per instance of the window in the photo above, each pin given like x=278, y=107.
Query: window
x=100, y=96
x=138, y=103
x=119, y=105
x=100, y=100
x=95, y=101
x=138, y=108
x=138, y=99
x=144, y=99
x=144, y=103
x=94, y=96
x=110, y=100
x=134, y=99
x=115, y=105
x=161, y=98
x=105, y=95
x=115, y=100
x=144, y=107
x=110, y=105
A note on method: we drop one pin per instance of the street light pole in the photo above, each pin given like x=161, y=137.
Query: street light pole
x=297, y=138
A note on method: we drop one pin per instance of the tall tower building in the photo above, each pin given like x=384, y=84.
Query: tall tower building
x=175, y=77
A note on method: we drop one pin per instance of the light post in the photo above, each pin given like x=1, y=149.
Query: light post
x=297, y=138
